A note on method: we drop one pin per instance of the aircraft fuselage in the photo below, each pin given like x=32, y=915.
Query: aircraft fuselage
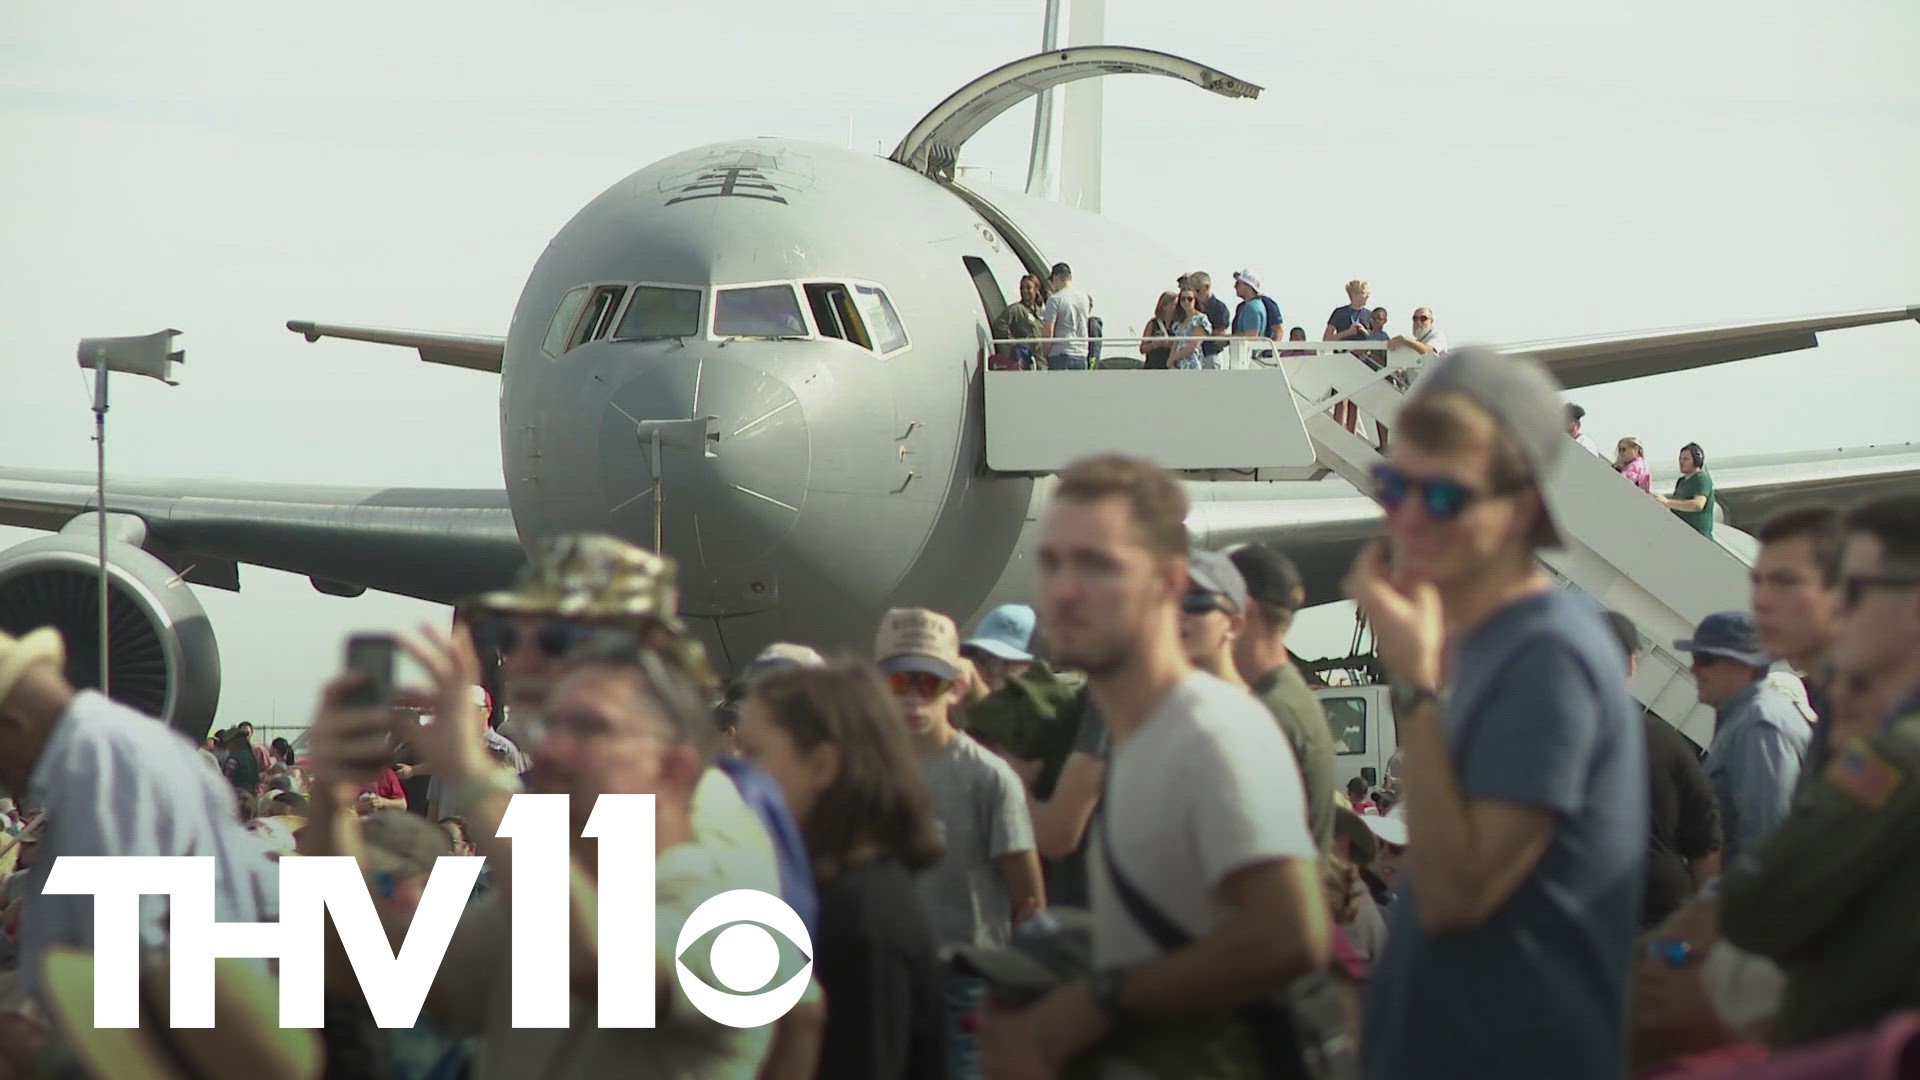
x=842, y=478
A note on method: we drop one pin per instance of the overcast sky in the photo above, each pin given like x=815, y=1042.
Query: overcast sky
x=1529, y=170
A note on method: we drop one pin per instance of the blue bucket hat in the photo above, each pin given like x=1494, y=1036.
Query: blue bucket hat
x=1006, y=632
x=1731, y=634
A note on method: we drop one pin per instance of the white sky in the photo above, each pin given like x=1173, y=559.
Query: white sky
x=1528, y=170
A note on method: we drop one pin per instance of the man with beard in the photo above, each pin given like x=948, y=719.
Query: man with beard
x=1203, y=827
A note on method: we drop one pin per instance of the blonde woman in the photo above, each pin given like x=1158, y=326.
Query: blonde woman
x=1630, y=461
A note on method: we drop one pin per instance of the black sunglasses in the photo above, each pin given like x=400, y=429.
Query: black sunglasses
x=1200, y=602
x=1858, y=584
x=552, y=637
x=1441, y=498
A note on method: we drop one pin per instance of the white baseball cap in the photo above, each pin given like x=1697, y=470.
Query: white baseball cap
x=1390, y=827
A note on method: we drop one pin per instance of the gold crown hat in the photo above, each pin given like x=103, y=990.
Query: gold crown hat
x=593, y=578
x=596, y=578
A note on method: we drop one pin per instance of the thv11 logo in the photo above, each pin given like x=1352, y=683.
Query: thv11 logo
x=744, y=952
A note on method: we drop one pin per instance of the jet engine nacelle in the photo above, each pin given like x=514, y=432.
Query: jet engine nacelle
x=162, y=658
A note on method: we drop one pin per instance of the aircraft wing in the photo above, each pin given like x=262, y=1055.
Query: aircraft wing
x=1609, y=358
x=1751, y=490
x=477, y=352
x=432, y=544
x=1322, y=535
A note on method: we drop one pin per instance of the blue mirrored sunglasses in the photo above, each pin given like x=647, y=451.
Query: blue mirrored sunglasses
x=1441, y=498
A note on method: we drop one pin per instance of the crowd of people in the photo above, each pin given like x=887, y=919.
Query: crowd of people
x=1052, y=326
x=1101, y=835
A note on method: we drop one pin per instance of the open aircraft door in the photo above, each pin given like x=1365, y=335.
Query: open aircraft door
x=933, y=145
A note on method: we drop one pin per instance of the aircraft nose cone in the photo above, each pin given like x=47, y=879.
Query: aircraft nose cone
x=725, y=502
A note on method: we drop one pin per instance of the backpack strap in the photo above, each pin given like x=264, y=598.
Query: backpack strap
x=1157, y=925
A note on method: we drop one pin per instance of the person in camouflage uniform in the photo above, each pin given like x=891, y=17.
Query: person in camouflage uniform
x=1831, y=894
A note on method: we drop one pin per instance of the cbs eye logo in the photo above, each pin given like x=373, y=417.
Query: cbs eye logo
x=745, y=958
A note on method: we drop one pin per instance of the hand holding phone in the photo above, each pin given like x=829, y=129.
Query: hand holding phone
x=371, y=656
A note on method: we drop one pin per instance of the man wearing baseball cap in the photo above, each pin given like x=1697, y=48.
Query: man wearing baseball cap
x=1511, y=945
x=1257, y=315
x=988, y=877
x=1001, y=646
x=1213, y=623
x=1759, y=738
x=1275, y=591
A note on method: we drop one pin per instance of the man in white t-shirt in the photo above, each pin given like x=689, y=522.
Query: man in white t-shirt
x=1065, y=315
x=1204, y=818
x=1575, y=414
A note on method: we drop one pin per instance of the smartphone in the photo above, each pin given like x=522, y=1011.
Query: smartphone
x=372, y=657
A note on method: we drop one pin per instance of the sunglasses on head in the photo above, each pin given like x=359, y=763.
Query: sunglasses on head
x=1442, y=499
x=925, y=684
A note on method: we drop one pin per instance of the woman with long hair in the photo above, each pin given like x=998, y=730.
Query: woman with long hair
x=1160, y=326
x=1190, y=324
x=246, y=767
x=1630, y=461
x=1021, y=319
x=832, y=740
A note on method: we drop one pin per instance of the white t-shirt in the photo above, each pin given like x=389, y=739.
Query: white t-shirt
x=1068, y=310
x=1206, y=786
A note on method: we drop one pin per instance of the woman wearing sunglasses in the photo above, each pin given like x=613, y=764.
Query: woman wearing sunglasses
x=834, y=742
x=1191, y=326
x=1630, y=461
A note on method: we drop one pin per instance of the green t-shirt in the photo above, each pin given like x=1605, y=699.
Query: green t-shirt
x=1688, y=487
x=1285, y=693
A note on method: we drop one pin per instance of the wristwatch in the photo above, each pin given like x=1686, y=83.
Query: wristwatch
x=1407, y=697
x=1106, y=993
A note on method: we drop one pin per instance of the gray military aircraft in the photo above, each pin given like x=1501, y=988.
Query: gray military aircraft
x=765, y=357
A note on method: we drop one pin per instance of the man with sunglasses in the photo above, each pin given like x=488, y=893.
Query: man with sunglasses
x=988, y=879
x=1526, y=791
x=1830, y=895
x=1759, y=738
x=589, y=591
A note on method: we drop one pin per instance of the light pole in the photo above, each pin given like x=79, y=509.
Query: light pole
x=151, y=355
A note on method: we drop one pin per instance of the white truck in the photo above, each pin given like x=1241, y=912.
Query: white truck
x=1364, y=736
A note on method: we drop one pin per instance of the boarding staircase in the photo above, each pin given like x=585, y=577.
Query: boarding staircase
x=1625, y=550
x=1622, y=548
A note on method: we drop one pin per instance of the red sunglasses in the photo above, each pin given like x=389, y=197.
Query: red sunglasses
x=918, y=682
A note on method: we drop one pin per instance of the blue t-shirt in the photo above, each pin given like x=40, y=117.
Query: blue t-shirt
x=1250, y=318
x=763, y=796
x=1539, y=715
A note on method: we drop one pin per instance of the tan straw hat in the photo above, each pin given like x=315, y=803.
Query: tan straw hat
x=42, y=646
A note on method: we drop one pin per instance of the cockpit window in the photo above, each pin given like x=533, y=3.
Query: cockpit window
x=834, y=314
x=882, y=321
x=598, y=320
x=765, y=311
x=563, y=320
x=656, y=312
